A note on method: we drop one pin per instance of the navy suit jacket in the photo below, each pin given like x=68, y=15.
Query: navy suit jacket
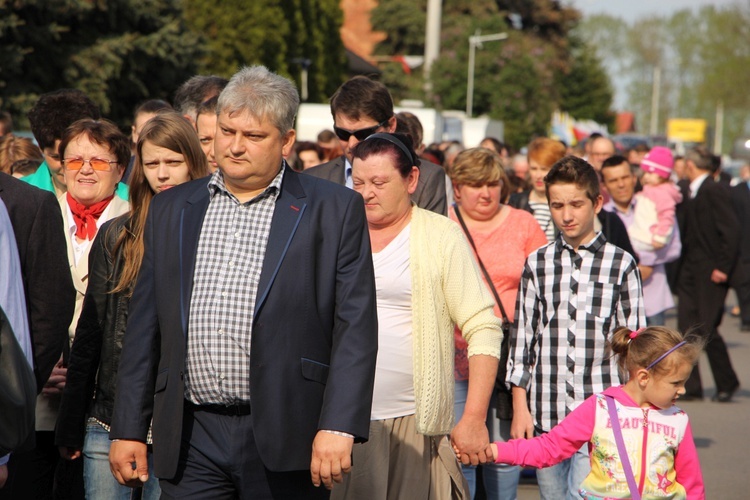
x=741, y=202
x=50, y=296
x=314, y=338
x=709, y=229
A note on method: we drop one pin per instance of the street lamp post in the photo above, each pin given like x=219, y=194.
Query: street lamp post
x=474, y=42
x=304, y=64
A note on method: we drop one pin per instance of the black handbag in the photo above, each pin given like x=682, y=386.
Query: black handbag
x=17, y=391
x=503, y=397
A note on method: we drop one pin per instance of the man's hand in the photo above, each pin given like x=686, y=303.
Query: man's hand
x=718, y=277
x=331, y=458
x=123, y=455
x=472, y=440
x=69, y=453
x=522, y=425
x=3, y=474
x=56, y=382
x=646, y=271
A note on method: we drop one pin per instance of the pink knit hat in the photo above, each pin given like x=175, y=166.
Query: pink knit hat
x=658, y=161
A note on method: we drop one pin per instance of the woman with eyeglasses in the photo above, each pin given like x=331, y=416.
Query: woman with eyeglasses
x=168, y=153
x=94, y=155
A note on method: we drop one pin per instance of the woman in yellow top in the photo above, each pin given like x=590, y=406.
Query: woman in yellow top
x=426, y=283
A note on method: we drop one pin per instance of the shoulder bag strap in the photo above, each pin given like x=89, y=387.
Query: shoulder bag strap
x=481, y=264
x=634, y=492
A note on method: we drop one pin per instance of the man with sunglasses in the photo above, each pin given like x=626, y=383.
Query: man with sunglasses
x=360, y=108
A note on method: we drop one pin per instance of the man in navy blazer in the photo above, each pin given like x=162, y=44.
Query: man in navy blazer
x=361, y=107
x=740, y=280
x=249, y=411
x=710, y=235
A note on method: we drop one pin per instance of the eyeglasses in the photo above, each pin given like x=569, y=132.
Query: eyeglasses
x=360, y=134
x=96, y=163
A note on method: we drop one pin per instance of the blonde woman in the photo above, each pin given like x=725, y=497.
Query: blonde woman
x=502, y=238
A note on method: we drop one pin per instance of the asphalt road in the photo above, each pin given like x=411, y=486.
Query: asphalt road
x=721, y=430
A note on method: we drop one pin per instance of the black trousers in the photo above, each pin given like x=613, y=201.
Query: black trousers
x=701, y=307
x=741, y=285
x=219, y=460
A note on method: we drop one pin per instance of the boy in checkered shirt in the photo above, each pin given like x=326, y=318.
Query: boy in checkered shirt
x=574, y=293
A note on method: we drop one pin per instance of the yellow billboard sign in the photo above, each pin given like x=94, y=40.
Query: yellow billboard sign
x=686, y=130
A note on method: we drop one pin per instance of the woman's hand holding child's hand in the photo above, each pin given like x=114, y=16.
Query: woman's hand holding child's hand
x=492, y=448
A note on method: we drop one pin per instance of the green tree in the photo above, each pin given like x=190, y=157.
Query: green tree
x=313, y=37
x=239, y=33
x=404, y=26
x=702, y=56
x=119, y=52
x=585, y=90
x=277, y=34
x=520, y=80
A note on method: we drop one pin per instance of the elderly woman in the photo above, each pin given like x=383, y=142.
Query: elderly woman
x=502, y=238
x=426, y=283
x=94, y=155
x=168, y=153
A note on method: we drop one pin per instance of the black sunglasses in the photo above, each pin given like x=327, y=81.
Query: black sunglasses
x=360, y=134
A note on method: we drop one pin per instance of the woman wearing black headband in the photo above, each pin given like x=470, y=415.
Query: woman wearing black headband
x=426, y=283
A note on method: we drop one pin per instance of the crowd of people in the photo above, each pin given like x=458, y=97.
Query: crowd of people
x=212, y=308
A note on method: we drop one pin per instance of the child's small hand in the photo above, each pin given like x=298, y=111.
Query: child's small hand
x=491, y=451
x=657, y=244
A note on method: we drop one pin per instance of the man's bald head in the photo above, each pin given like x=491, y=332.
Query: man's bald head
x=601, y=149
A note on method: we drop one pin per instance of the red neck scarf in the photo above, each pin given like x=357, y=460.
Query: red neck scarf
x=86, y=217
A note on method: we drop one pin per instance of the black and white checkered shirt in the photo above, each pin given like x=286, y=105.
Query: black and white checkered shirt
x=569, y=304
x=228, y=263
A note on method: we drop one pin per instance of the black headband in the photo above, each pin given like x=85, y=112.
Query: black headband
x=395, y=140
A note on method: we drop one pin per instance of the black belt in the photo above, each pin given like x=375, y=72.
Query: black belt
x=232, y=410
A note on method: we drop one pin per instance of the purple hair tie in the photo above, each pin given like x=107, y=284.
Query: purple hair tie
x=653, y=363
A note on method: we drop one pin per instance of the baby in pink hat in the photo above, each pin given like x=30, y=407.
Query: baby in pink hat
x=654, y=214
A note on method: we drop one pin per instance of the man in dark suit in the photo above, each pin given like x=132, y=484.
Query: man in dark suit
x=252, y=333
x=50, y=296
x=710, y=239
x=360, y=108
x=741, y=276
x=50, y=299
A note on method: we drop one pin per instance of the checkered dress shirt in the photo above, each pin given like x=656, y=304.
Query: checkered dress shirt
x=569, y=305
x=231, y=248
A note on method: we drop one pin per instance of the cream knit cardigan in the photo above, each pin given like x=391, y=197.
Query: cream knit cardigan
x=447, y=289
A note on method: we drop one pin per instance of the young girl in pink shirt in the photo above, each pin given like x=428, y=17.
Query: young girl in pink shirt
x=655, y=435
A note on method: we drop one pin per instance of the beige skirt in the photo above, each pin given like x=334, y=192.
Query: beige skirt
x=398, y=463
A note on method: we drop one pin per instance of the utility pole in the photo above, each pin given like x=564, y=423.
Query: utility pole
x=474, y=42
x=655, y=89
x=304, y=65
x=432, y=40
x=719, y=130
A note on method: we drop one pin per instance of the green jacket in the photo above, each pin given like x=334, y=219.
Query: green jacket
x=42, y=179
